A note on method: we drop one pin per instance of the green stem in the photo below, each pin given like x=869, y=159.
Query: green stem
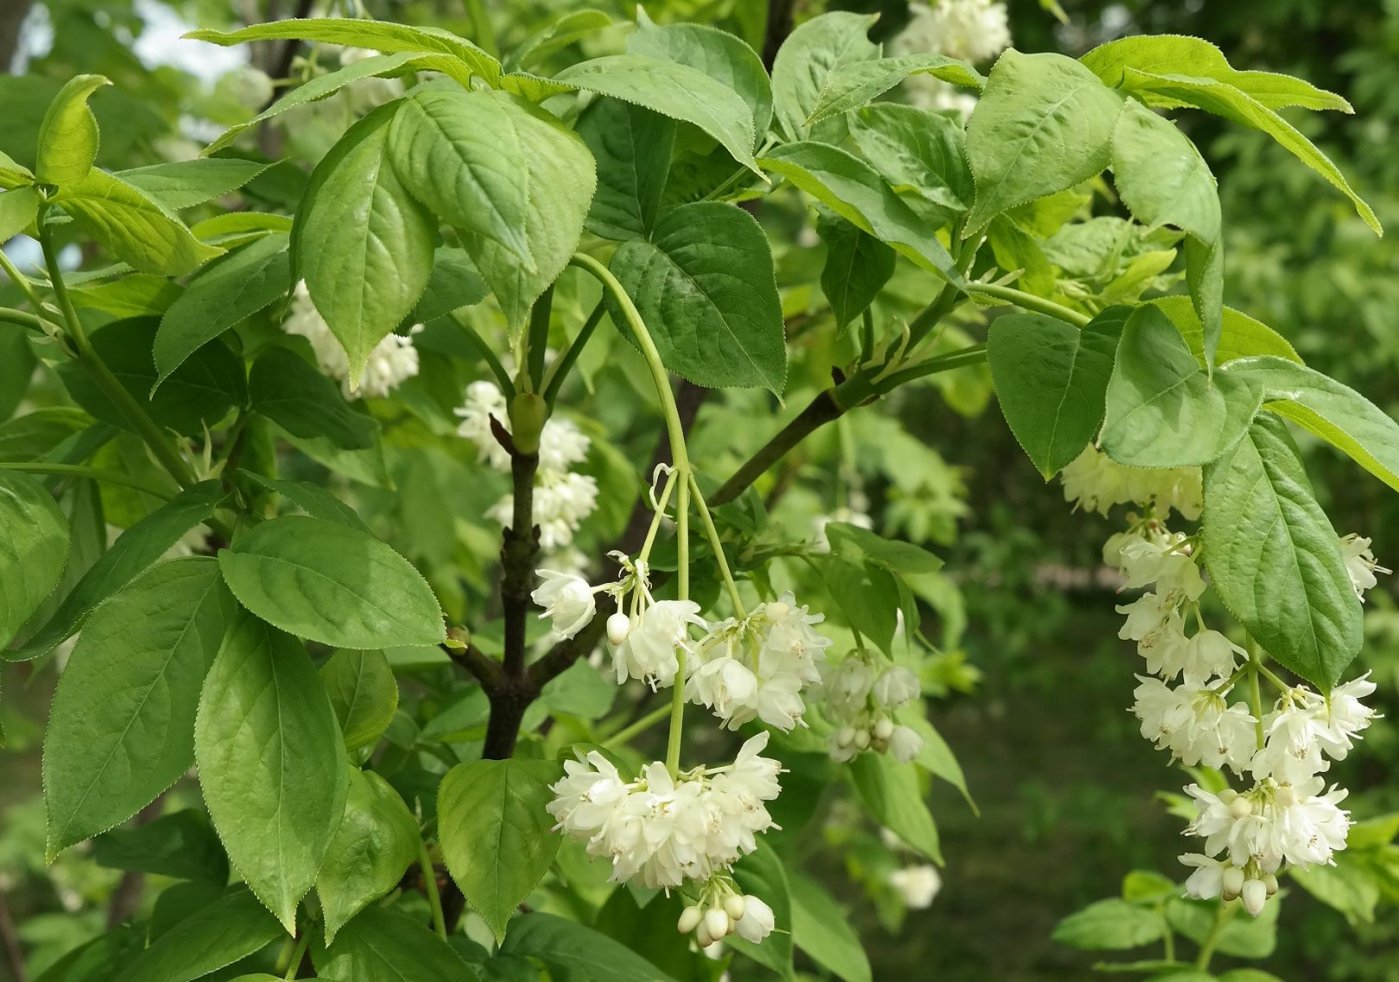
x=714, y=543
x=1255, y=697
x=485, y=33
x=866, y=335
x=930, y=316
x=1030, y=302
x=434, y=899
x=558, y=372
x=125, y=402
x=297, y=953
x=21, y=281
x=632, y=730
x=9, y=315
x=1222, y=914
x=676, y=431
x=95, y=473
x=655, y=526
x=1168, y=938
x=943, y=363
x=538, y=337
x=483, y=350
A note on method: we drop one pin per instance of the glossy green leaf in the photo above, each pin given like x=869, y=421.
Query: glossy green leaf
x=1240, y=335
x=761, y=874
x=808, y=57
x=17, y=364
x=509, y=176
x=675, y=90
x=33, y=550
x=298, y=397
x=12, y=174
x=68, y=135
x=1110, y=925
x=271, y=763
x=376, y=841
x=1163, y=408
x=632, y=146
x=121, y=729
x=182, y=845
x=17, y=211
x=718, y=54
x=1274, y=558
x=857, y=267
x=364, y=693
x=892, y=793
x=559, y=33
x=1044, y=124
x=495, y=832
x=133, y=552
x=821, y=928
x=363, y=245
x=332, y=584
x=233, y=927
x=705, y=287
x=916, y=150
x=578, y=950
x=186, y=183
x=133, y=295
x=387, y=946
x=854, y=191
x=313, y=499
x=132, y=225
x=1051, y=379
x=852, y=85
x=220, y=296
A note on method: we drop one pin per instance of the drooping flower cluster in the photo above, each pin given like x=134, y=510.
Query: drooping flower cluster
x=1189, y=703
x=860, y=703
x=916, y=885
x=971, y=30
x=663, y=831
x=392, y=361
x=562, y=498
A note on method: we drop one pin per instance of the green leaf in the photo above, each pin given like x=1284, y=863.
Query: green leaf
x=186, y=183
x=271, y=763
x=508, y=175
x=361, y=243
x=632, y=147
x=861, y=545
x=133, y=552
x=762, y=875
x=1349, y=886
x=376, y=35
x=673, y=90
x=133, y=226
x=821, y=928
x=17, y=211
x=332, y=584
x=863, y=592
x=1147, y=887
x=1274, y=558
x=854, y=191
x=1163, y=409
x=37, y=434
x=706, y=289
x=557, y=34
x=230, y=928
x=916, y=150
x=454, y=284
x=1336, y=413
x=718, y=54
x=33, y=550
x=295, y=395
x=856, y=269
x=182, y=845
x=17, y=364
x=495, y=832
x=852, y=85
x=376, y=841
x=121, y=729
x=12, y=174
x=364, y=694
x=1186, y=55
x=1051, y=379
x=387, y=946
x=807, y=59
x=1044, y=124
x=222, y=295
x=134, y=295
x=68, y=134
x=1243, y=937
x=199, y=393
x=93, y=961
x=1240, y=335
x=892, y=793
x=313, y=499
x=1110, y=925
x=577, y=950
x=1223, y=99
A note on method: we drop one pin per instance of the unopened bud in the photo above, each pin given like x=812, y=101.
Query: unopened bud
x=734, y=905
x=690, y=918
x=1271, y=882
x=862, y=739
x=618, y=627
x=845, y=736
x=717, y=923
x=1254, y=896
x=1232, y=882
x=776, y=610
x=884, y=728
x=1240, y=807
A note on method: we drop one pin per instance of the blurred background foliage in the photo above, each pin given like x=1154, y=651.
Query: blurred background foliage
x=1032, y=679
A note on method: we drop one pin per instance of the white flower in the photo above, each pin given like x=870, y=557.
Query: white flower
x=392, y=361
x=1145, y=615
x=484, y=400
x=791, y=646
x=1095, y=482
x=1195, y=723
x=567, y=600
x=1344, y=716
x=896, y=686
x=562, y=500
x=1311, y=826
x=561, y=445
x=1209, y=654
x=757, y=921
x=972, y=30
x=916, y=885
x=648, y=653
x=1271, y=824
x=1292, y=753
x=1360, y=563
x=1164, y=646
x=1206, y=882
x=848, y=685
x=587, y=795
x=905, y=744
x=727, y=686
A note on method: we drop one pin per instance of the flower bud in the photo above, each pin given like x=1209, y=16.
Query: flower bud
x=528, y=413
x=1286, y=796
x=776, y=610
x=1254, y=896
x=884, y=728
x=1271, y=883
x=618, y=627
x=717, y=923
x=702, y=936
x=862, y=739
x=734, y=905
x=1240, y=807
x=895, y=686
x=905, y=744
x=690, y=919
x=845, y=736
x=1231, y=882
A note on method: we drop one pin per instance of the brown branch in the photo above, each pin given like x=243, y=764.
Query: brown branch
x=482, y=667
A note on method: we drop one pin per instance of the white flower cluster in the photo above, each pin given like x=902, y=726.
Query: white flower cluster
x=663, y=830
x=972, y=30
x=392, y=361
x=916, y=885
x=1096, y=482
x=756, y=667
x=860, y=700
x=562, y=498
x=724, y=911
